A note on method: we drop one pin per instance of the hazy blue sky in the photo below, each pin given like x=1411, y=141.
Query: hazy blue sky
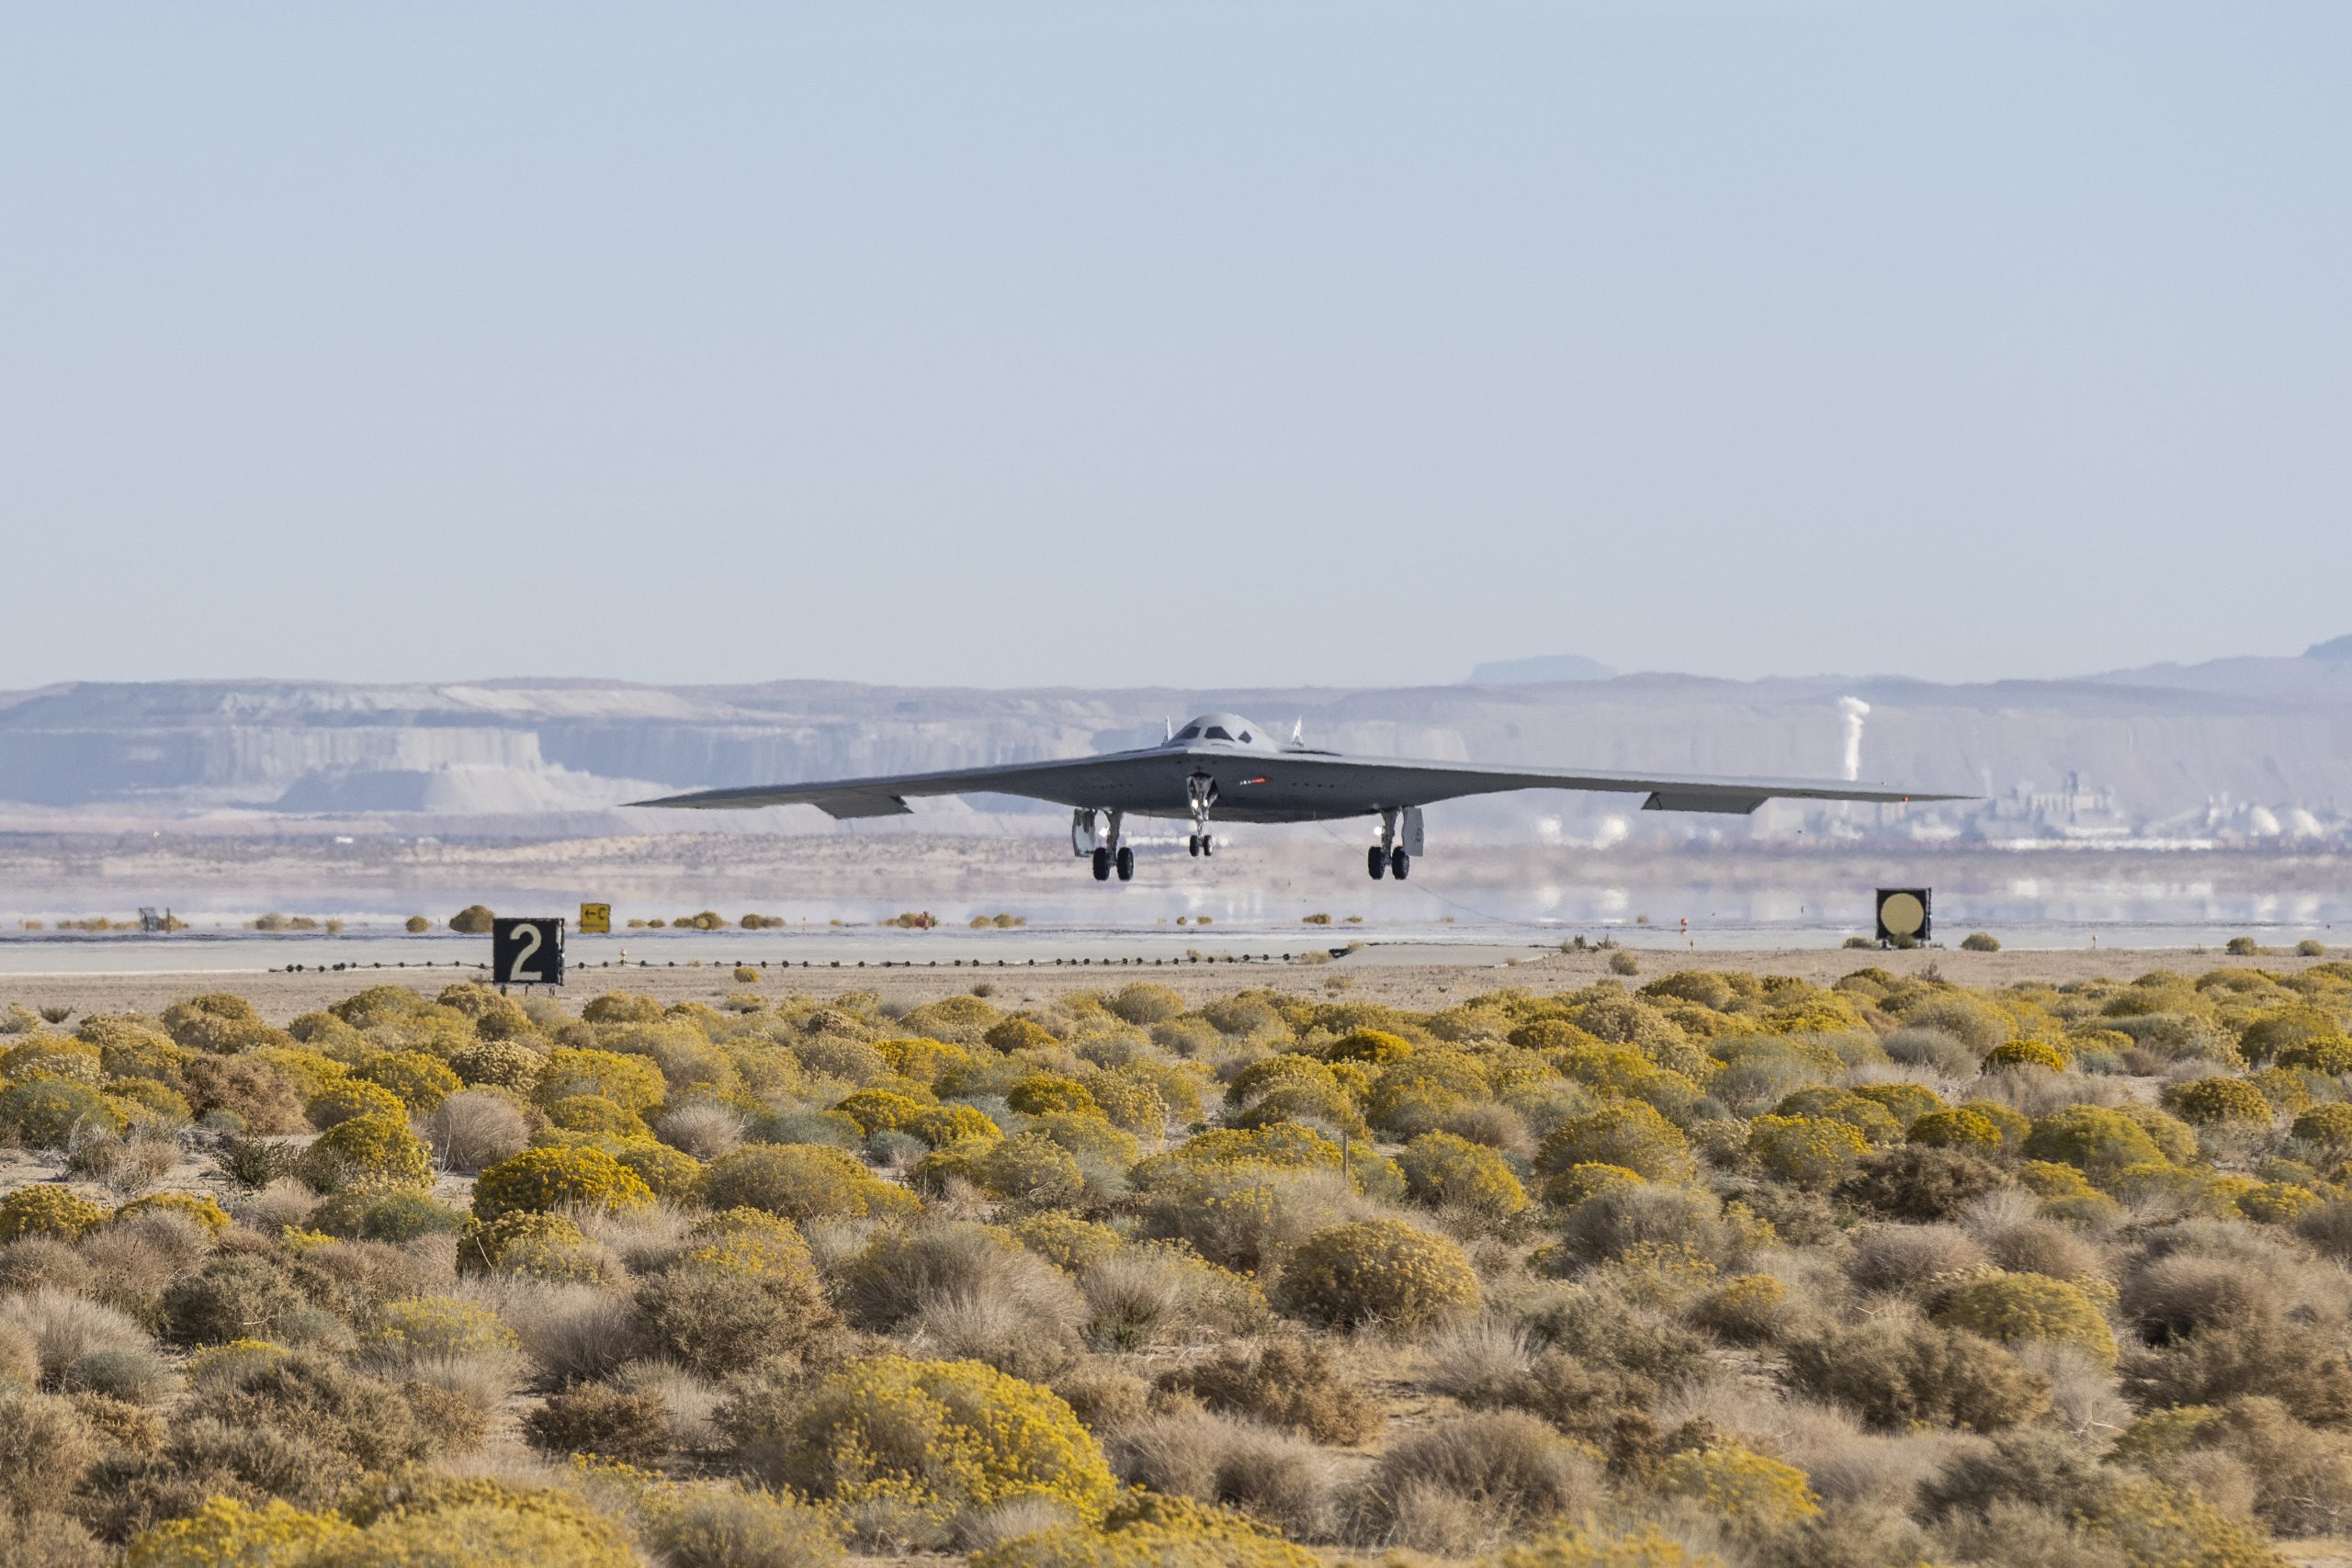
x=1266, y=343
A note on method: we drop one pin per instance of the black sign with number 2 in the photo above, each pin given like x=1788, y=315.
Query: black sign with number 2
x=526, y=951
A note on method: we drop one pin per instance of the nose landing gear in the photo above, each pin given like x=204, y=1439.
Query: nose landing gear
x=1200, y=791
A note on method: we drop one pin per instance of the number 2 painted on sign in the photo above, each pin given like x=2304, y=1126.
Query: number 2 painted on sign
x=532, y=937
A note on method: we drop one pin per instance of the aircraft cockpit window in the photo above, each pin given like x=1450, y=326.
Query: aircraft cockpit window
x=1216, y=732
x=1245, y=738
x=1189, y=732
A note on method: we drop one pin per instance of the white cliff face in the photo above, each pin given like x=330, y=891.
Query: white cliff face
x=498, y=748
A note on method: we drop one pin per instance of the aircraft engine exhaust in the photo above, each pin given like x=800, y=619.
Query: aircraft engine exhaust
x=1851, y=711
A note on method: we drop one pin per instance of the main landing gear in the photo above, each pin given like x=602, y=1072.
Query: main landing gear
x=1105, y=851
x=1388, y=855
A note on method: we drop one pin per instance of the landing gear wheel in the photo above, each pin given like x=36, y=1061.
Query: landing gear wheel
x=1194, y=844
x=1376, y=862
x=1102, y=864
x=1399, y=863
x=1127, y=859
x=1208, y=846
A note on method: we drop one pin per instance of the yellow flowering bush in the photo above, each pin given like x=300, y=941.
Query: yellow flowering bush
x=1627, y=1133
x=1018, y=1034
x=144, y=1100
x=47, y=1209
x=801, y=1182
x=2013, y=1307
x=939, y=1126
x=368, y=1151
x=352, y=1098
x=529, y=1242
x=1746, y=1308
x=422, y=1082
x=881, y=1111
x=419, y=1327
x=1805, y=1151
x=671, y=1175
x=1825, y=1104
x=1287, y=1146
x=924, y=1061
x=1066, y=1241
x=202, y=1207
x=1029, y=1168
x=541, y=1179
x=68, y=1060
x=2277, y=1202
x=596, y=1116
x=1041, y=1092
x=1149, y=1530
x=2096, y=1139
x=2026, y=1053
x=310, y=1073
x=1129, y=1103
x=44, y=1113
x=226, y=1534
x=1755, y=1493
x=2212, y=1101
x=1089, y=1138
x=440, y=1521
x=1956, y=1128
x=1445, y=1171
x=1377, y=1046
x=633, y=1083
x=1589, y=1546
x=1377, y=1270
x=937, y=1440
x=746, y=1241
x=2287, y=1089
x=1589, y=1179
x=499, y=1064
x=2329, y=1126
x=1906, y=1102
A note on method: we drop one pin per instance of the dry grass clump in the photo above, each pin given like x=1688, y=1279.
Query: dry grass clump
x=63, y=1327
x=1260, y=1470
x=474, y=1129
x=625, y=1425
x=1470, y=1482
x=967, y=1291
x=1290, y=1383
x=569, y=1331
x=1912, y=1261
x=1717, y=1267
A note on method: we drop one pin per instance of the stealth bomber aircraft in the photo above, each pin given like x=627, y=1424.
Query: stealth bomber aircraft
x=1222, y=766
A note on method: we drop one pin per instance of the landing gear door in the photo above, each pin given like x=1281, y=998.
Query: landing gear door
x=1412, y=840
x=1082, y=835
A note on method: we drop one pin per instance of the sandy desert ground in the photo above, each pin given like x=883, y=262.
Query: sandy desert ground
x=1370, y=975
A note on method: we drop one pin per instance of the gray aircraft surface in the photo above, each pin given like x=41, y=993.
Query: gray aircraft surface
x=1221, y=764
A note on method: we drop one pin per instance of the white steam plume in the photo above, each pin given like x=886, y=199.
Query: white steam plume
x=1850, y=714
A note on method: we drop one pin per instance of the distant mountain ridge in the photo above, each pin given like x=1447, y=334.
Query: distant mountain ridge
x=2160, y=744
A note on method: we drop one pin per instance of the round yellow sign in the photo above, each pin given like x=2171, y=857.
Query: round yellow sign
x=1902, y=915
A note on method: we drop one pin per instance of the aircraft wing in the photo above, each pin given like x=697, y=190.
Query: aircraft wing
x=1420, y=784
x=1070, y=780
